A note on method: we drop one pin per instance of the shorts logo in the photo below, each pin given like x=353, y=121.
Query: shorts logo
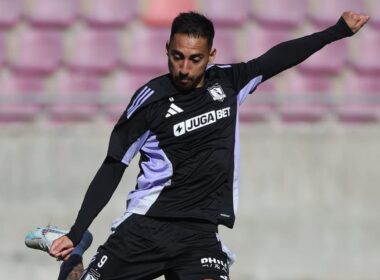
x=200, y=121
x=215, y=263
x=92, y=275
x=217, y=92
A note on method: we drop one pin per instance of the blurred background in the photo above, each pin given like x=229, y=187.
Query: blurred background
x=310, y=136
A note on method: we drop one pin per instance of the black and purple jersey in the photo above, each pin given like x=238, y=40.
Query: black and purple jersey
x=188, y=144
x=189, y=141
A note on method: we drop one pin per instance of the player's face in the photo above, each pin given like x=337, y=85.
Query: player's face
x=187, y=59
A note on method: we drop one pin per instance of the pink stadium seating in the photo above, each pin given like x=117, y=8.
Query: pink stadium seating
x=225, y=44
x=115, y=13
x=10, y=12
x=260, y=105
x=326, y=12
x=366, y=57
x=307, y=98
x=52, y=13
x=146, y=49
x=360, y=99
x=373, y=9
x=226, y=12
x=36, y=51
x=75, y=97
x=260, y=40
x=2, y=48
x=20, y=97
x=162, y=12
x=94, y=50
x=120, y=89
x=332, y=59
x=279, y=13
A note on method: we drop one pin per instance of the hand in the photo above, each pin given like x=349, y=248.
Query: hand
x=354, y=20
x=61, y=248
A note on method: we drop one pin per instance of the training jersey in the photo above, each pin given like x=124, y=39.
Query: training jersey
x=188, y=142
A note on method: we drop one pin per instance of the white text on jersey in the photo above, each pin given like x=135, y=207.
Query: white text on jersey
x=200, y=121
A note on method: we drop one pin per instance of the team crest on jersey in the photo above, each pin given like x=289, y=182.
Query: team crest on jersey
x=217, y=92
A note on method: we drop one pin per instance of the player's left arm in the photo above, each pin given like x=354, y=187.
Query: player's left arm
x=290, y=53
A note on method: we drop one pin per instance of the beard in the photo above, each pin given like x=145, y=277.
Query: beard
x=186, y=83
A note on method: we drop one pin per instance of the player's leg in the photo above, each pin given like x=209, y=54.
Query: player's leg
x=132, y=251
x=206, y=258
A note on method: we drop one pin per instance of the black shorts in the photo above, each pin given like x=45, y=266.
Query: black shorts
x=145, y=248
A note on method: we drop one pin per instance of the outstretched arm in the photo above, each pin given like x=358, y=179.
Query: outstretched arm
x=291, y=53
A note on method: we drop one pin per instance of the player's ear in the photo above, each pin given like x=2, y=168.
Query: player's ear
x=212, y=55
x=167, y=48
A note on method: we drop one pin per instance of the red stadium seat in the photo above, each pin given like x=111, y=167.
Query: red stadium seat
x=20, y=97
x=260, y=105
x=366, y=55
x=75, y=97
x=146, y=49
x=360, y=99
x=162, y=12
x=36, y=50
x=326, y=12
x=120, y=89
x=52, y=13
x=279, y=13
x=331, y=59
x=260, y=40
x=226, y=12
x=307, y=98
x=10, y=12
x=116, y=13
x=94, y=50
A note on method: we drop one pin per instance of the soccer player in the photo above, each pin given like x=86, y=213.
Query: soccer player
x=185, y=126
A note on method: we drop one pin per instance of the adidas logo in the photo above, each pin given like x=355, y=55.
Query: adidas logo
x=173, y=110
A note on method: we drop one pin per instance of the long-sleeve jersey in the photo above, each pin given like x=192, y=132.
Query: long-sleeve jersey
x=189, y=141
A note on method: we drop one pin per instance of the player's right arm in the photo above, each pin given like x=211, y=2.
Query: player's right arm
x=97, y=196
x=125, y=141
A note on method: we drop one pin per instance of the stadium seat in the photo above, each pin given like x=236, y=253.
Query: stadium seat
x=52, y=13
x=226, y=12
x=260, y=105
x=2, y=48
x=226, y=46
x=279, y=13
x=365, y=57
x=35, y=50
x=373, y=8
x=93, y=50
x=10, y=12
x=359, y=99
x=20, y=97
x=260, y=40
x=162, y=12
x=119, y=90
x=74, y=96
x=306, y=98
x=324, y=13
x=109, y=13
x=145, y=49
x=330, y=60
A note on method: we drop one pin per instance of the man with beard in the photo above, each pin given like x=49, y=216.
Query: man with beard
x=185, y=126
